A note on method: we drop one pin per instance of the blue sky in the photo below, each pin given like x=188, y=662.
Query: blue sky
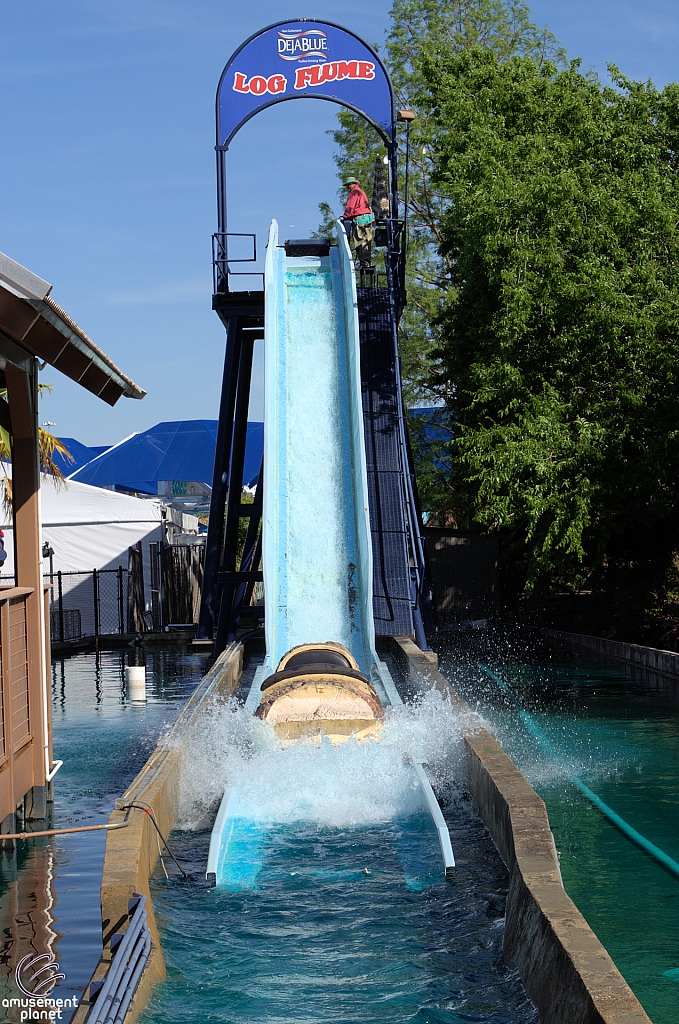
x=108, y=169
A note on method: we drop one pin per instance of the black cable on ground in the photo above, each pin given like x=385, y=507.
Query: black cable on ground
x=148, y=810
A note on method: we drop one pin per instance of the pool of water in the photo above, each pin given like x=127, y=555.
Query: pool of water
x=345, y=914
x=49, y=887
x=620, y=735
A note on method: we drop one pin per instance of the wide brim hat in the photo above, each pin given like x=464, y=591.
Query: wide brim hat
x=351, y=181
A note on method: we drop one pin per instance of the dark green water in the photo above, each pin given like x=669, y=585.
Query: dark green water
x=621, y=736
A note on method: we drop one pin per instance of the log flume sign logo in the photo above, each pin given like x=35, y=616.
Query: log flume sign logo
x=295, y=44
x=43, y=980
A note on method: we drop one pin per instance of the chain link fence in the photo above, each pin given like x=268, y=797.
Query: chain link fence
x=85, y=604
x=105, y=602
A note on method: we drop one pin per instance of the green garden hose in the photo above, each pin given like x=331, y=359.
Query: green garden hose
x=630, y=833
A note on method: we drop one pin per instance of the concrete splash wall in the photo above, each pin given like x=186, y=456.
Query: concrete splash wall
x=666, y=663
x=132, y=852
x=564, y=968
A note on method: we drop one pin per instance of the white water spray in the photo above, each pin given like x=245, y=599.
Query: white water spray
x=350, y=784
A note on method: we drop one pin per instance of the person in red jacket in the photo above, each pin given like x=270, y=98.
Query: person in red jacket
x=358, y=221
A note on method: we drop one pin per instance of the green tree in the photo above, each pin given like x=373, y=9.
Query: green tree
x=505, y=28
x=559, y=332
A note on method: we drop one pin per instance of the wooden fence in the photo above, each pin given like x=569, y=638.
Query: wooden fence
x=23, y=703
x=464, y=572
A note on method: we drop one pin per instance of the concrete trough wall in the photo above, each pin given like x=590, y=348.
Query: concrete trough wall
x=565, y=970
x=132, y=852
x=664, y=662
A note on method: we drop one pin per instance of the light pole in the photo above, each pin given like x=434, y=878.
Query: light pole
x=48, y=552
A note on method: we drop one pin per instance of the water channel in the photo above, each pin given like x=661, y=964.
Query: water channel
x=49, y=887
x=345, y=915
x=617, y=729
x=342, y=913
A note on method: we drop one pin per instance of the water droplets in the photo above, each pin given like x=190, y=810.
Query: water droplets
x=347, y=785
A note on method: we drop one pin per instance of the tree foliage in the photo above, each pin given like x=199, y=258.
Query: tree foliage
x=505, y=28
x=48, y=444
x=559, y=332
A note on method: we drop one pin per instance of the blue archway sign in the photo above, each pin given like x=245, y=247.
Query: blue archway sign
x=296, y=59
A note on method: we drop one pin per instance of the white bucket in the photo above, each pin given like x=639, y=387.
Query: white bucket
x=135, y=681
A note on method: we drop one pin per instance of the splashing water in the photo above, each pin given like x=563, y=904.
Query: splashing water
x=339, y=910
x=351, y=784
x=563, y=752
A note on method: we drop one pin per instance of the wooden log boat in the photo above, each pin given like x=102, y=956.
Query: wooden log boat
x=318, y=689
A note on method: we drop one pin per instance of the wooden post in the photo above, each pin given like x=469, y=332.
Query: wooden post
x=8, y=801
x=48, y=602
x=22, y=388
x=121, y=603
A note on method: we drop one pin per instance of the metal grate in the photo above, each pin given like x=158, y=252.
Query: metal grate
x=392, y=602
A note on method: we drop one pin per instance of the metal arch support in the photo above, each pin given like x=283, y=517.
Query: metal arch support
x=284, y=99
x=387, y=133
x=279, y=24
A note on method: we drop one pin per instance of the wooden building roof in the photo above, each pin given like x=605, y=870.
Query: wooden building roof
x=31, y=319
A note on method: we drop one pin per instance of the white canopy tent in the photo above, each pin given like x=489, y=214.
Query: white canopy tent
x=90, y=528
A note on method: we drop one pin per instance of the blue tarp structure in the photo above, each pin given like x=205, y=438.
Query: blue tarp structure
x=433, y=423
x=80, y=453
x=184, y=450
x=179, y=450
x=431, y=431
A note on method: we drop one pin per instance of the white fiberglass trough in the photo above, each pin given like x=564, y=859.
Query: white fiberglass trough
x=321, y=676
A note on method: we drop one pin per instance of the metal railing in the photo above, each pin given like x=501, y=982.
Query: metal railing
x=371, y=277
x=221, y=260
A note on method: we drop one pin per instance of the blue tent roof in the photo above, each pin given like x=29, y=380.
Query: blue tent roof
x=434, y=422
x=175, y=450
x=81, y=453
